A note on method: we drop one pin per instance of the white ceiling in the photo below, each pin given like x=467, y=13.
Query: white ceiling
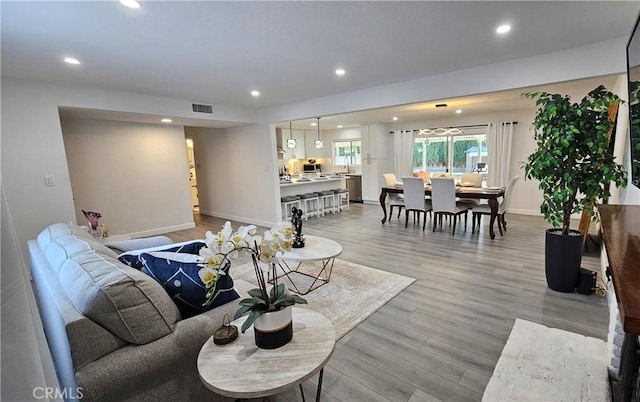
x=217, y=52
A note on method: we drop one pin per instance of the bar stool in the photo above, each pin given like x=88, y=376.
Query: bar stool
x=311, y=205
x=287, y=203
x=339, y=193
x=327, y=197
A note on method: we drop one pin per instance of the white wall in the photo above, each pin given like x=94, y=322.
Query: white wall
x=26, y=361
x=135, y=175
x=32, y=144
x=237, y=173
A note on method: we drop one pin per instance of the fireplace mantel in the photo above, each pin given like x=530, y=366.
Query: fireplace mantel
x=620, y=225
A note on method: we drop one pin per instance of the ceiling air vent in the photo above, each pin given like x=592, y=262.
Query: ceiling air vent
x=199, y=108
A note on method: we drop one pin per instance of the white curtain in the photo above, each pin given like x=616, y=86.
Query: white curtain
x=403, y=153
x=499, y=140
x=27, y=368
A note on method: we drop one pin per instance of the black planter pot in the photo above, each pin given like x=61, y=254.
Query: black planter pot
x=563, y=255
x=273, y=329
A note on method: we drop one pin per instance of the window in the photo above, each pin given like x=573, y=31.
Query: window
x=461, y=153
x=347, y=153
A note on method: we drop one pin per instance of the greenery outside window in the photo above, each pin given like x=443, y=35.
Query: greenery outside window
x=347, y=153
x=461, y=153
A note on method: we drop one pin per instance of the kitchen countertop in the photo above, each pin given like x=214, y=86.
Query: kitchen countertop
x=296, y=182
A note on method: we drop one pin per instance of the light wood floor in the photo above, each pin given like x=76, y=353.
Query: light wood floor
x=440, y=339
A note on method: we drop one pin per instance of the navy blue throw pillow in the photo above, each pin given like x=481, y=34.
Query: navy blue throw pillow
x=132, y=258
x=178, y=274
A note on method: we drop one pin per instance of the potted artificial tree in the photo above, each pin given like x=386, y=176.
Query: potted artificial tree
x=573, y=163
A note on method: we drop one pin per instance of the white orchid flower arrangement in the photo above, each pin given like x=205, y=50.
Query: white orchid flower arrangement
x=225, y=245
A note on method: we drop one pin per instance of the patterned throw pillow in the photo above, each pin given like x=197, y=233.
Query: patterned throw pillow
x=132, y=258
x=178, y=274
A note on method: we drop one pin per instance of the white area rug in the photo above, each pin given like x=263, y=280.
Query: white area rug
x=549, y=364
x=353, y=293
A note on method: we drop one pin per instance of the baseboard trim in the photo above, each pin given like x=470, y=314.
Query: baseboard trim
x=162, y=230
x=523, y=212
x=535, y=213
x=235, y=218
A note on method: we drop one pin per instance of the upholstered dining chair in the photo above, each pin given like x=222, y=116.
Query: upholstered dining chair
x=470, y=180
x=483, y=209
x=395, y=200
x=414, y=199
x=443, y=201
x=423, y=174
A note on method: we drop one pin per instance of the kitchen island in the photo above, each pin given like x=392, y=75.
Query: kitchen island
x=298, y=186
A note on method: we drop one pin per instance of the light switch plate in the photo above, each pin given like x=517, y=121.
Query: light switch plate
x=49, y=180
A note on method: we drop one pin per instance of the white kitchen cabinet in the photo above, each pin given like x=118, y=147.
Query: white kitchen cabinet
x=293, y=153
x=375, y=160
x=310, y=137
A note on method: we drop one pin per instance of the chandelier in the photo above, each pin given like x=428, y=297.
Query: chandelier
x=441, y=131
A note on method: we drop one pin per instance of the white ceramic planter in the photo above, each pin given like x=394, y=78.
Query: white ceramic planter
x=273, y=321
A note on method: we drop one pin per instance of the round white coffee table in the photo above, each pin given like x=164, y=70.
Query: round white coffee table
x=316, y=249
x=242, y=370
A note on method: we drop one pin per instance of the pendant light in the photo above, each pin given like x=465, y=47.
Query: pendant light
x=291, y=142
x=319, y=142
x=441, y=130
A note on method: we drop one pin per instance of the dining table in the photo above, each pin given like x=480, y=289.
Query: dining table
x=491, y=194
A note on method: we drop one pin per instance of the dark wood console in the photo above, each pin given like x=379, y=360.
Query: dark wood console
x=620, y=225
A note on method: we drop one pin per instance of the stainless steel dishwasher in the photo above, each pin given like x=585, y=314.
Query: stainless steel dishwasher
x=354, y=186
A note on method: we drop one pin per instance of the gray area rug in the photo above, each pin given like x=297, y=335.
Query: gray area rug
x=353, y=293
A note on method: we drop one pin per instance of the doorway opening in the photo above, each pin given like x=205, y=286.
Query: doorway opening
x=193, y=180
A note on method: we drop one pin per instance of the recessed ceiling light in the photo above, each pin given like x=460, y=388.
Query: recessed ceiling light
x=166, y=120
x=340, y=71
x=395, y=118
x=502, y=29
x=131, y=3
x=314, y=124
x=71, y=60
x=339, y=125
x=255, y=93
x=459, y=111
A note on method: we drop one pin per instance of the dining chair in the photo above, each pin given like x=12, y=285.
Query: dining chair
x=395, y=200
x=483, y=209
x=470, y=180
x=441, y=175
x=443, y=201
x=423, y=174
x=414, y=199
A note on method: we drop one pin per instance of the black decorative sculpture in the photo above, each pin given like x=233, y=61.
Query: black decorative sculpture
x=296, y=222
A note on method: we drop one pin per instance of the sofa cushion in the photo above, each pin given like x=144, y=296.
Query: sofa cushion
x=122, y=246
x=131, y=258
x=58, y=229
x=178, y=274
x=60, y=241
x=123, y=300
